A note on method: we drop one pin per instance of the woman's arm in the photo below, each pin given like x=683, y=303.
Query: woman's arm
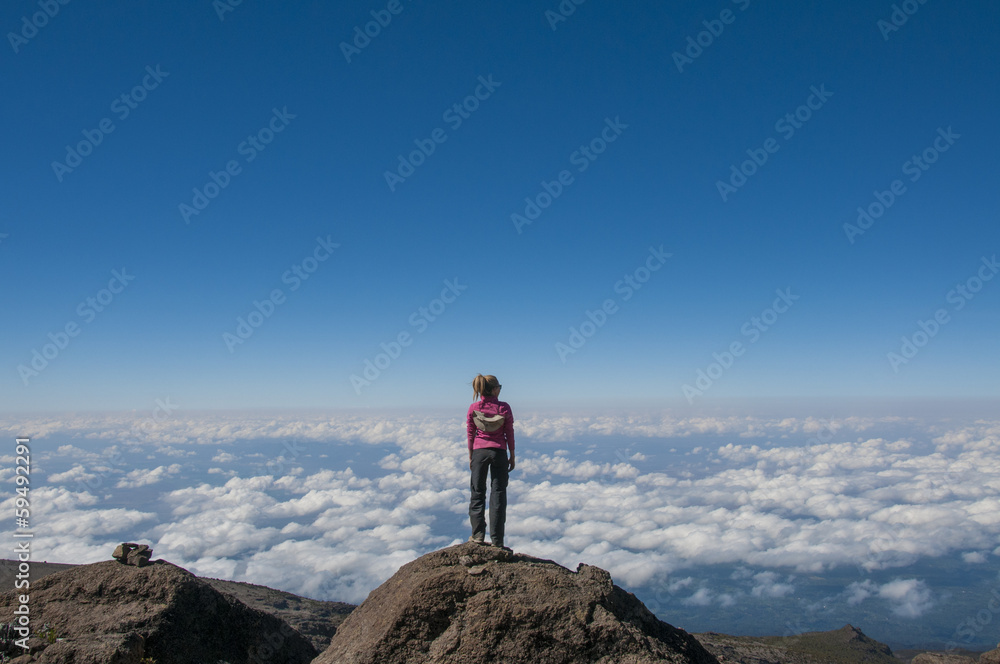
x=470, y=429
x=508, y=432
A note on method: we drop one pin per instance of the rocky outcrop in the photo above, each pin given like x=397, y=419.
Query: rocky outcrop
x=112, y=613
x=130, y=553
x=847, y=645
x=990, y=656
x=472, y=603
x=942, y=658
x=314, y=619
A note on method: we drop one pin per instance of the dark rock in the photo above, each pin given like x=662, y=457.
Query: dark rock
x=990, y=657
x=516, y=609
x=314, y=619
x=942, y=658
x=131, y=553
x=111, y=613
x=138, y=558
x=847, y=645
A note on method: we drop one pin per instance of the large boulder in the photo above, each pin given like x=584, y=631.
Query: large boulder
x=942, y=658
x=990, y=656
x=120, y=614
x=472, y=603
x=130, y=553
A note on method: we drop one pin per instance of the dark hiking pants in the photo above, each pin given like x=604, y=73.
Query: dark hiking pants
x=494, y=461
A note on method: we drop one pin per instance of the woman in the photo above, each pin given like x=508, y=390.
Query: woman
x=490, y=427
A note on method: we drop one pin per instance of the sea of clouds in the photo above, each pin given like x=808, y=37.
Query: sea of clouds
x=329, y=505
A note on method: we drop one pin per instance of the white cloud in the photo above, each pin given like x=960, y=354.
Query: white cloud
x=77, y=473
x=974, y=557
x=577, y=470
x=222, y=471
x=726, y=600
x=853, y=496
x=859, y=591
x=703, y=597
x=680, y=584
x=170, y=450
x=766, y=584
x=71, y=451
x=139, y=477
x=910, y=598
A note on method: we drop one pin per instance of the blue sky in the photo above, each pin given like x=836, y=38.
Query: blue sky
x=799, y=437
x=265, y=66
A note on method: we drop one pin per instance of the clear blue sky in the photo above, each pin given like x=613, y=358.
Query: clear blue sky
x=211, y=83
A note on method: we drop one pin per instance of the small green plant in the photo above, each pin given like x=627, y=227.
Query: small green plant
x=147, y=660
x=47, y=633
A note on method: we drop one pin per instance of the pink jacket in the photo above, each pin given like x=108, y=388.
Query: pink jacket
x=502, y=438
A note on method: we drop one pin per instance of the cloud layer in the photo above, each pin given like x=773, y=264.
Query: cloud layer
x=330, y=506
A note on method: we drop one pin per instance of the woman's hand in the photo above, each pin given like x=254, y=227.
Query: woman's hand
x=510, y=463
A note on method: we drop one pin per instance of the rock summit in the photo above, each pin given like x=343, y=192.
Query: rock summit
x=110, y=613
x=472, y=603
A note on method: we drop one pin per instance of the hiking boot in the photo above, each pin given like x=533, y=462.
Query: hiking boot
x=478, y=538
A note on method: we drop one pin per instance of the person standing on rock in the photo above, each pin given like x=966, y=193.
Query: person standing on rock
x=490, y=428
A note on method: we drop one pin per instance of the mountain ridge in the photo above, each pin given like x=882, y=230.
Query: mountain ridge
x=847, y=645
x=109, y=612
x=317, y=622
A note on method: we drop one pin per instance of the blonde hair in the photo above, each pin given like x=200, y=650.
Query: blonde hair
x=484, y=386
